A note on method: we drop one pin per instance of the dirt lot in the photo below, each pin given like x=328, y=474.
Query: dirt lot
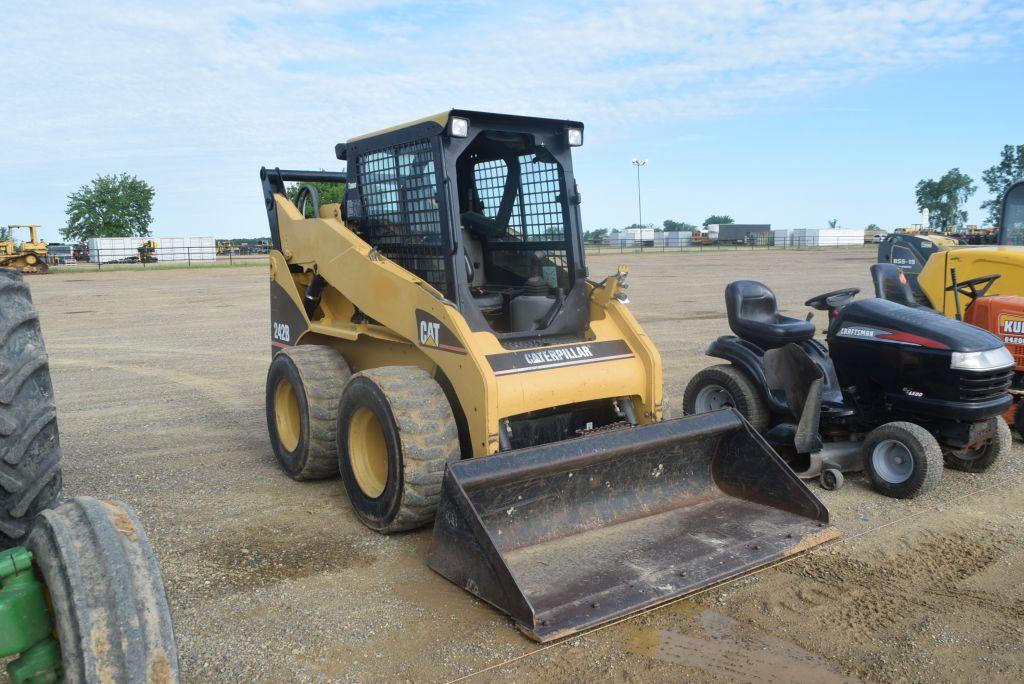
x=159, y=378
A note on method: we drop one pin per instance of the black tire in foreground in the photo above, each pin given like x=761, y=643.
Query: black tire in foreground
x=985, y=456
x=303, y=387
x=725, y=386
x=30, y=477
x=110, y=611
x=902, y=460
x=396, y=433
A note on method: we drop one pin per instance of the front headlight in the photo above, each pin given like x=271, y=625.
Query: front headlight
x=575, y=136
x=459, y=127
x=992, y=359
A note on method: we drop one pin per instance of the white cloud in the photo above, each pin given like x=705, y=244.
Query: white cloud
x=204, y=85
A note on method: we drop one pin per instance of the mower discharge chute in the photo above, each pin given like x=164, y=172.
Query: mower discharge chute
x=435, y=337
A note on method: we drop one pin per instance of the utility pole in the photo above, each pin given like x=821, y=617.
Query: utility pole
x=639, y=205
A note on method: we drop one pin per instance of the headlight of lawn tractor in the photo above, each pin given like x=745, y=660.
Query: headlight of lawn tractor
x=459, y=127
x=982, y=360
x=575, y=136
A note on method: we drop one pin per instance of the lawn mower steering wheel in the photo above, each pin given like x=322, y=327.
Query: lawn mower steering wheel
x=975, y=287
x=831, y=300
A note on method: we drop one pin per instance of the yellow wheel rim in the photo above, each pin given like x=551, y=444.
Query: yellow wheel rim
x=286, y=415
x=368, y=452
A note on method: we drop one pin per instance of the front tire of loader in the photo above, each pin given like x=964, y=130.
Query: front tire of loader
x=724, y=386
x=107, y=596
x=396, y=432
x=303, y=387
x=30, y=477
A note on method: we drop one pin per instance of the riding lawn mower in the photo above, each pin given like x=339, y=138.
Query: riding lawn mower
x=898, y=390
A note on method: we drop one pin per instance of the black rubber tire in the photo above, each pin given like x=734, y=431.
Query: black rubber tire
x=831, y=479
x=317, y=374
x=1018, y=420
x=30, y=477
x=744, y=393
x=983, y=459
x=924, y=450
x=421, y=437
x=107, y=594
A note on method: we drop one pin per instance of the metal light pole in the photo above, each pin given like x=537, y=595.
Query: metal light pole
x=639, y=205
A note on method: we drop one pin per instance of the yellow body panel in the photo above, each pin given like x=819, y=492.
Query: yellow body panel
x=971, y=262
x=359, y=277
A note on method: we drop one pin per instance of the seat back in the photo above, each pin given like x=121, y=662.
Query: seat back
x=749, y=300
x=891, y=284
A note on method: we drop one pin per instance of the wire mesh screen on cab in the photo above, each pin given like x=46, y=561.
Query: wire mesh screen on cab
x=539, y=215
x=398, y=187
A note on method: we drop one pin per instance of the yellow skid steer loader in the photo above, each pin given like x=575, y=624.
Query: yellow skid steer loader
x=436, y=339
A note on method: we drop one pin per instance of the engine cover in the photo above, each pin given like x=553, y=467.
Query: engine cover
x=899, y=356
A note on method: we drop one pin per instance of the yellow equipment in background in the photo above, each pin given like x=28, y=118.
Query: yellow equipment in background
x=27, y=257
x=930, y=262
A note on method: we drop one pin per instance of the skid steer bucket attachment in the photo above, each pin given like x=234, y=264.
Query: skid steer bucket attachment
x=566, y=536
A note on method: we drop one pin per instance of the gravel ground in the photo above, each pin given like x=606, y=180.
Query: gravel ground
x=159, y=378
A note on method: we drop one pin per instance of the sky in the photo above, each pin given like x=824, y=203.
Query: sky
x=789, y=112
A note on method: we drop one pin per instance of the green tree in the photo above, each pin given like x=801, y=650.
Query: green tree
x=677, y=226
x=833, y=223
x=330, y=193
x=718, y=219
x=118, y=205
x=595, y=235
x=873, y=226
x=945, y=198
x=999, y=177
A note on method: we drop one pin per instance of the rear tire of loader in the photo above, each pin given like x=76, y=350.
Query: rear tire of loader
x=106, y=592
x=396, y=432
x=30, y=477
x=303, y=387
x=732, y=388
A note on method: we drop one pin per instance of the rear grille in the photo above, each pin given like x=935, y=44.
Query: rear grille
x=983, y=386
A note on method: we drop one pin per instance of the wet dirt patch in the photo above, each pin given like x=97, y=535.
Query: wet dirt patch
x=84, y=311
x=257, y=555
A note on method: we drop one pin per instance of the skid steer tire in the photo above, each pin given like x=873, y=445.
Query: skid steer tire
x=983, y=458
x=303, y=387
x=109, y=606
x=726, y=385
x=902, y=460
x=30, y=477
x=396, y=433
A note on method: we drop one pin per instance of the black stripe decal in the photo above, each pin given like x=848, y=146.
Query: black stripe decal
x=546, y=358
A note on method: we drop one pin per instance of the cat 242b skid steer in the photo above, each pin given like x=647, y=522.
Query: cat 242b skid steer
x=436, y=339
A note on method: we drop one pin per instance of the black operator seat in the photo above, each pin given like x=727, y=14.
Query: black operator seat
x=754, y=316
x=891, y=284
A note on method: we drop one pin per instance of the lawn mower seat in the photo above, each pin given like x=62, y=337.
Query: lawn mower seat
x=754, y=315
x=891, y=284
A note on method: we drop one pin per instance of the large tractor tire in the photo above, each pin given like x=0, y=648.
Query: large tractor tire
x=396, y=434
x=106, y=593
x=725, y=386
x=304, y=385
x=30, y=478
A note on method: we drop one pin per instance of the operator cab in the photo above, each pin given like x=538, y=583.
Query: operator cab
x=1011, y=227
x=485, y=209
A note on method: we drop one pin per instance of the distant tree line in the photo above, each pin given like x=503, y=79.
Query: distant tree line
x=946, y=198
